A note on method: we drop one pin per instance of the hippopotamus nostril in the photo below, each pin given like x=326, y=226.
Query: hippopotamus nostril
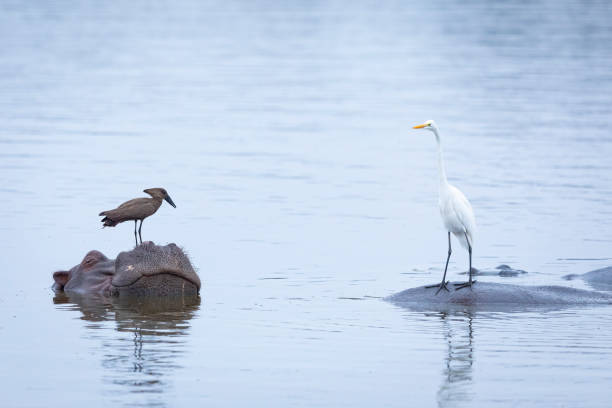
x=60, y=278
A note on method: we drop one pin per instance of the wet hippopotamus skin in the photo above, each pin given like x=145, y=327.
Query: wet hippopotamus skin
x=147, y=270
x=600, y=279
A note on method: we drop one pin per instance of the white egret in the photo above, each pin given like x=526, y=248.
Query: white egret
x=456, y=213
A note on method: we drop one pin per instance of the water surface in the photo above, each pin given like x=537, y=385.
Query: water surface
x=283, y=134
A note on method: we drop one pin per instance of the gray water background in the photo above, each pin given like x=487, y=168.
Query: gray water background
x=283, y=133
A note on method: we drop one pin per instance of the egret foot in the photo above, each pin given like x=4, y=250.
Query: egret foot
x=464, y=285
x=440, y=286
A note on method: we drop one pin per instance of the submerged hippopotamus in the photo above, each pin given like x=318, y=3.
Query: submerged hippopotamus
x=498, y=296
x=600, y=279
x=147, y=270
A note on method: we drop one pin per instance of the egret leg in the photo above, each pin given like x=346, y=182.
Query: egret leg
x=135, y=237
x=139, y=229
x=442, y=285
x=470, y=281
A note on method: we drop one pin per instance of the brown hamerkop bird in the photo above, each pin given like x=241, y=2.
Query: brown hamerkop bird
x=137, y=209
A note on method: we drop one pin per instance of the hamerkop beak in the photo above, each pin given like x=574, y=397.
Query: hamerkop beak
x=169, y=200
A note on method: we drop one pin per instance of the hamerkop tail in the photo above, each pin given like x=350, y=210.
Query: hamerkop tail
x=137, y=209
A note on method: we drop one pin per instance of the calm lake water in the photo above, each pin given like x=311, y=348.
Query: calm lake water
x=283, y=134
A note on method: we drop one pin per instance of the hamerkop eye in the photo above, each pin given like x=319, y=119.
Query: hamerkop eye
x=136, y=209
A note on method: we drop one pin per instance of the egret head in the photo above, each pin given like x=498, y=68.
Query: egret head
x=429, y=125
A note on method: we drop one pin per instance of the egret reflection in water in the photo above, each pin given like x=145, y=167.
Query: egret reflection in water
x=457, y=375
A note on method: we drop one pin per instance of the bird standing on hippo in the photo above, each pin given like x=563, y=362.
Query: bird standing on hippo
x=137, y=209
x=456, y=212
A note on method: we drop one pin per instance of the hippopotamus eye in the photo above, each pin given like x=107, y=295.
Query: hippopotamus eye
x=89, y=261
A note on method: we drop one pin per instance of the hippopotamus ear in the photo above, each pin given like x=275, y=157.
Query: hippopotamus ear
x=61, y=278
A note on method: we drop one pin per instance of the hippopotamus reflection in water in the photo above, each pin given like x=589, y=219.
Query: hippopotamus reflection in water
x=150, y=337
x=147, y=270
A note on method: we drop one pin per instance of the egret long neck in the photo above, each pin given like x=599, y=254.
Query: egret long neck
x=441, y=168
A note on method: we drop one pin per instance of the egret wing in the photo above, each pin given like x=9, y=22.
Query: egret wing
x=464, y=213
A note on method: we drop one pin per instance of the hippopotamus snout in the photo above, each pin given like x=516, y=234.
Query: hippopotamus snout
x=93, y=274
x=148, y=269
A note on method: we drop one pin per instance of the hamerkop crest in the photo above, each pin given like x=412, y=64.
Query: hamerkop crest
x=137, y=209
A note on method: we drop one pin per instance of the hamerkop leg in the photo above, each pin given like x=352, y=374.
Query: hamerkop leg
x=135, y=237
x=139, y=229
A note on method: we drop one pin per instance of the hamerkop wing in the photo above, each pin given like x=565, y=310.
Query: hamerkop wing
x=136, y=209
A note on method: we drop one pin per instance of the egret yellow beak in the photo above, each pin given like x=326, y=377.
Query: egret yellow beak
x=420, y=126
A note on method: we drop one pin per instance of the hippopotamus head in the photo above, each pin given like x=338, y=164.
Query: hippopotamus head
x=148, y=269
